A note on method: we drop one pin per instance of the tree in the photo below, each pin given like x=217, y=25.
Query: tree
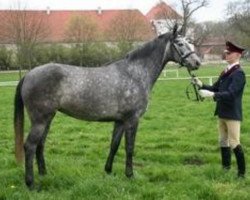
x=239, y=15
x=81, y=31
x=202, y=31
x=5, y=58
x=198, y=33
x=239, y=19
x=128, y=27
x=211, y=35
x=166, y=18
x=188, y=8
x=25, y=29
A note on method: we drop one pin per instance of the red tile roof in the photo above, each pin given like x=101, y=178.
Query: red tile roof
x=160, y=10
x=57, y=20
x=10, y=22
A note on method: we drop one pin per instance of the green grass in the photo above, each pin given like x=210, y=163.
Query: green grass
x=10, y=76
x=176, y=153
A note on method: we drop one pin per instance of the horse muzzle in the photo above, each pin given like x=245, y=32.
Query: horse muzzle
x=193, y=62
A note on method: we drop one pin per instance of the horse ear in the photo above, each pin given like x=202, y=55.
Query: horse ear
x=175, y=30
x=181, y=30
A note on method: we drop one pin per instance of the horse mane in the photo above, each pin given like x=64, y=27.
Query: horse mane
x=147, y=48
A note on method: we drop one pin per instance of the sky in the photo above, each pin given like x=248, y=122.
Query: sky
x=215, y=11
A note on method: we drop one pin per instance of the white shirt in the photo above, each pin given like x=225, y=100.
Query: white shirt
x=232, y=65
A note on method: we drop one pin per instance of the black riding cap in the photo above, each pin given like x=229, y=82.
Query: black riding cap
x=231, y=47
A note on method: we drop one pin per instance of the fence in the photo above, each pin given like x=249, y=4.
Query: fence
x=162, y=78
x=8, y=83
x=177, y=77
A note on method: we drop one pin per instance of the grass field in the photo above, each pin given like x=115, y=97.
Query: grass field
x=176, y=153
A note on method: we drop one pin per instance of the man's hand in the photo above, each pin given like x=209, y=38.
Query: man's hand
x=206, y=93
x=197, y=81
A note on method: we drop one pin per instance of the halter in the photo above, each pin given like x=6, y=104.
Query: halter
x=195, y=88
x=182, y=57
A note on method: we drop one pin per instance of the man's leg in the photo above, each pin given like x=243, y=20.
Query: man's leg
x=234, y=140
x=224, y=144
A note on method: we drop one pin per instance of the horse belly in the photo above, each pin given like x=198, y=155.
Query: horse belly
x=90, y=110
x=101, y=97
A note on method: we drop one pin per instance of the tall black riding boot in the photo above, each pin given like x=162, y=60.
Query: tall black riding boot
x=226, y=157
x=239, y=154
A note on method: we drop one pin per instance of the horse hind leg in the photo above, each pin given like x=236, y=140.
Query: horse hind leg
x=40, y=151
x=38, y=128
x=115, y=142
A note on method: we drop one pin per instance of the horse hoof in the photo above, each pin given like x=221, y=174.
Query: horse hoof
x=108, y=170
x=42, y=172
x=30, y=186
x=129, y=174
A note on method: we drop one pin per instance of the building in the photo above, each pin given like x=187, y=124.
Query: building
x=212, y=48
x=54, y=23
x=162, y=17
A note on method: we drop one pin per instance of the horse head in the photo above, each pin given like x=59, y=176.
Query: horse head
x=181, y=51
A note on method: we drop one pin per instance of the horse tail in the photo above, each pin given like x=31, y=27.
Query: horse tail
x=19, y=123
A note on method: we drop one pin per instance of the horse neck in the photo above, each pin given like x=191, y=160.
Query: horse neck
x=149, y=58
x=155, y=66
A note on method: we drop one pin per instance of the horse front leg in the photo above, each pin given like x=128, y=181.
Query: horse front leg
x=115, y=142
x=130, y=134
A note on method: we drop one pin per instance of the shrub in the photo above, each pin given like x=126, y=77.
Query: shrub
x=5, y=58
x=86, y=55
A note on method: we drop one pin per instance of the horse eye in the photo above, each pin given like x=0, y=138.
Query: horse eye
x=181, y=44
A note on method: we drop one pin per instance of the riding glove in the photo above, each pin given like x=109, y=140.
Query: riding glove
x=197, y=81
x=206, y=93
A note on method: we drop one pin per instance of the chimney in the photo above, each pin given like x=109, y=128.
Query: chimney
x=48, y=10
x=99, y=10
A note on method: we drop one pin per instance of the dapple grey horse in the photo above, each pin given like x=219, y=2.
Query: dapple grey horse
x=116, y=92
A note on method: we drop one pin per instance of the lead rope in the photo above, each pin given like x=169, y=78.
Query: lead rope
x=195, y=88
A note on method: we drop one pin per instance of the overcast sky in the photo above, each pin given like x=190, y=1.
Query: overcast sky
x=215, y=11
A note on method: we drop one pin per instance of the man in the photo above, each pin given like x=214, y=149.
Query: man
x=227, y=91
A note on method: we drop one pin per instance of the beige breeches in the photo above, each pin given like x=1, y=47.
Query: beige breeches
x=229, y=132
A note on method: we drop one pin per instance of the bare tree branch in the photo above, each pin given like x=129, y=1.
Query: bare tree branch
x=189, y=7
x=239, y=15
x=129, y=26
x=25, y=29
x=81, y=29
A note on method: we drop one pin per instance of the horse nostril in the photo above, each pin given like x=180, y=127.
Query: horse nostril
x=198, y=63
